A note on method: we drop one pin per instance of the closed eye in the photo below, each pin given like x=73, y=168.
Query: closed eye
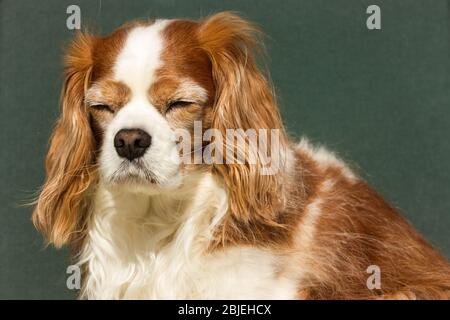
x=102, y=107
x=177, y=104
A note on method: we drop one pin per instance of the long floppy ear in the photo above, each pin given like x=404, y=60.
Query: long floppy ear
x=244, y=100
x=61, y=207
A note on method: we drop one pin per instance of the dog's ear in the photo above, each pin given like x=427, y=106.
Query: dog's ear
x=244, y=100
x=60, y=211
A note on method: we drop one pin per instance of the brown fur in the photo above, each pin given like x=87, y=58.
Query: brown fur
x=355, y=227
x=243, y=101
x=61, y=207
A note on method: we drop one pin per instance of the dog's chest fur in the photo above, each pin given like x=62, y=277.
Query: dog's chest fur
x=142, y=249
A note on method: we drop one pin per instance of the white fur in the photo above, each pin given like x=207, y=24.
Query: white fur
x=135, y=67
x=307, y=229
x=149, y=242
x=155, y=247
x=140, y=57
x=161, y=158
x=325, y=159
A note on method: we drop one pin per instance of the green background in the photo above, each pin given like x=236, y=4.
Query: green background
x=379, y=98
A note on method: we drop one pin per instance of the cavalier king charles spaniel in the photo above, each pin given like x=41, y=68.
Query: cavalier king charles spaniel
x=149, y=216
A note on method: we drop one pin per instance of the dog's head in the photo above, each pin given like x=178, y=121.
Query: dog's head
x=125, y=99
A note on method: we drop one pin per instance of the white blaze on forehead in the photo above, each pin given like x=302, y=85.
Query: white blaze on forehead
x=135, y=66
x=140, y=57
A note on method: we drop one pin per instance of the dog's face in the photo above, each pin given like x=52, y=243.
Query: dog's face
x=131, y=98
x=156, y=82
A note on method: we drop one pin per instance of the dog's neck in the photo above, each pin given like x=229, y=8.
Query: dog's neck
x=128, y=233
x=136, y=239
x=200, y=201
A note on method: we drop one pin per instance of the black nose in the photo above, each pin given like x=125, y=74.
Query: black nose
x=132, y=143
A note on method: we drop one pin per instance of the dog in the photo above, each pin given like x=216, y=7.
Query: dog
x=145, y=220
